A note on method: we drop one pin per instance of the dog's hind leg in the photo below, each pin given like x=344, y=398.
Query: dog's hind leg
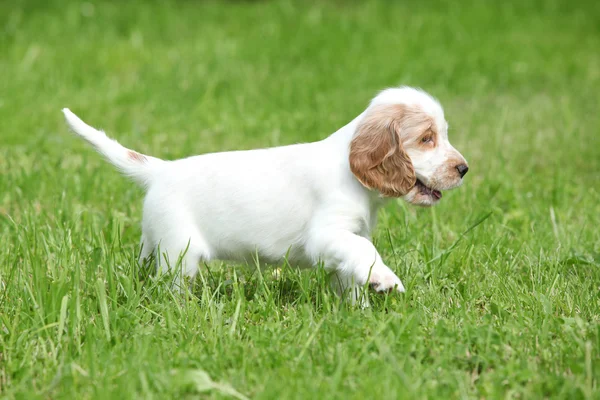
x=170, y=227
x=146, y=252
x=181, y=256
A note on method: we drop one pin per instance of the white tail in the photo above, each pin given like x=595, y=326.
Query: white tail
x=139, y=167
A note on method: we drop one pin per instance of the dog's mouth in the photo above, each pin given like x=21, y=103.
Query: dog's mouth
x=425, y=190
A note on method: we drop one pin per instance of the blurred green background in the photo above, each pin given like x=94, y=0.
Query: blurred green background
x=508, y=309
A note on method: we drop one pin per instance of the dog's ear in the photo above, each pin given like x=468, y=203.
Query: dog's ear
x=377, y=157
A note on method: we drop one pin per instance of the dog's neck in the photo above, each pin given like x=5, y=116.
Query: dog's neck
x=346, y=133
x=341, y=142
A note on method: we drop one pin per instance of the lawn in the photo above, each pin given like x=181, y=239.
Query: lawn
x=502, y=278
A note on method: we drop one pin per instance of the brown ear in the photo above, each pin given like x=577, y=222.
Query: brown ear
x=377, y=157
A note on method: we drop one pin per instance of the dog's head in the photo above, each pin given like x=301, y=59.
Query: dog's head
x=401, y=148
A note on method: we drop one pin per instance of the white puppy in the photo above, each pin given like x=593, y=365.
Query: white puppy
x=313, y=202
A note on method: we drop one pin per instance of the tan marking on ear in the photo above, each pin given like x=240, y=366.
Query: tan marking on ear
x=377, y=156
x=135, y=156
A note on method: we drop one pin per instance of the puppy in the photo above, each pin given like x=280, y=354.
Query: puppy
x=310, y=203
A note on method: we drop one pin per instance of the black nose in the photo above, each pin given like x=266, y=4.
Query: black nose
x=462, y=169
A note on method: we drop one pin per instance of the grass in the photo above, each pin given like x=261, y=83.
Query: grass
x=503, y=277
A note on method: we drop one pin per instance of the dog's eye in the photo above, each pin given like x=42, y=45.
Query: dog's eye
x=427, y=139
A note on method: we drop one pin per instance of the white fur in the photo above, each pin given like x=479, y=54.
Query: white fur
x=300, y=201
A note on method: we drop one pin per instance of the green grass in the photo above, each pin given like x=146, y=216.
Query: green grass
x=507, y=309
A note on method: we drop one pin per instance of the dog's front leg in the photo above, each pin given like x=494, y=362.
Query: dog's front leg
x=355, y=261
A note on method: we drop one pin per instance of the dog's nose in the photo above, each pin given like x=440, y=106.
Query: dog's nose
x=462, y=169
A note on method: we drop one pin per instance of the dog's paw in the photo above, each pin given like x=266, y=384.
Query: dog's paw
x=385, y=281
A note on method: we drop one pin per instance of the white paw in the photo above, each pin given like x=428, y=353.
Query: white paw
x=385, y=281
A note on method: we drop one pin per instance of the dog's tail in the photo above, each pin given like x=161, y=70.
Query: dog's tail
x=137, y=166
